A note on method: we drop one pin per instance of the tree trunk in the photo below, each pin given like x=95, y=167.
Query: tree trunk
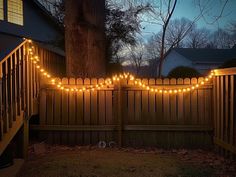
x=85, y=38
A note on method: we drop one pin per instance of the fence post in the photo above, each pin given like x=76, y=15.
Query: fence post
x=120, y=122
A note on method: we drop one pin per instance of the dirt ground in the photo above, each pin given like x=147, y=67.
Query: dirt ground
x=60, y=161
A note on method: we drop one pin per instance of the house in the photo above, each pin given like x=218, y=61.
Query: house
x=26, y=19
x=202, y=60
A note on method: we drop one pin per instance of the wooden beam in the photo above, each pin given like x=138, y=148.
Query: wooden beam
x=190, y=128
x=73, y=127
x=226, y=71
x=225, y=145
x=7, y=137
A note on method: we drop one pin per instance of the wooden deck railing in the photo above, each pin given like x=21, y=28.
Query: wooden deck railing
x=224, y=102
x=19, y=88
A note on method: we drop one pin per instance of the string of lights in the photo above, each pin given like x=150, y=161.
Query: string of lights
x=110, y=81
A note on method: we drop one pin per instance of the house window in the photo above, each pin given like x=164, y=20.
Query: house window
x=1, y=10
x=15, y=11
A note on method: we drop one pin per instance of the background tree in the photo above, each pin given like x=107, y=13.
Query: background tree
x=137, y=56
x=122, y=27
x=222, y=39
x=174, y=35
x=198, y=38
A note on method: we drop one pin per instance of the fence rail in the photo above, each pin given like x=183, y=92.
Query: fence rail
x=183, y=119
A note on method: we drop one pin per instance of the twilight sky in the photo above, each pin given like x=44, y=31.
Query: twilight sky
x=189, y=9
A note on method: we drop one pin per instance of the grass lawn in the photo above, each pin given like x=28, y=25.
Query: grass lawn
x=61, y=161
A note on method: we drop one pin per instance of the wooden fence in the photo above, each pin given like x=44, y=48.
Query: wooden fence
x=128, y=115
x=224, y=94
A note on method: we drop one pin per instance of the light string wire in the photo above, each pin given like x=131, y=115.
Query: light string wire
x=110, y=81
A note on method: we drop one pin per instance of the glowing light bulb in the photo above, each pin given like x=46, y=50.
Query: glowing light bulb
x=197, y=85
x=202, y=83
x=193, y=87
x=175, y=91
x=170, y=91
x=37, y=66
x=42, y=70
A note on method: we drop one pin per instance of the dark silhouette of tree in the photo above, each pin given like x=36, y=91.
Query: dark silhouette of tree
x=222, y=39
x=137, y=56
x=198, y=37
x=122, y=26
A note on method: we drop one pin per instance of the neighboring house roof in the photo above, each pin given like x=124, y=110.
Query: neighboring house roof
x=207, y=55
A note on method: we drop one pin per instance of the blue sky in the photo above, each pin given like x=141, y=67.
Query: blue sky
x=189, y=9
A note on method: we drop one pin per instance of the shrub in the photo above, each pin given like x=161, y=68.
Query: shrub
x=114, y=68
x=183, y=72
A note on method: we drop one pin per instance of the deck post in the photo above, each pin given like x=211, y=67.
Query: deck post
x=25, y=136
